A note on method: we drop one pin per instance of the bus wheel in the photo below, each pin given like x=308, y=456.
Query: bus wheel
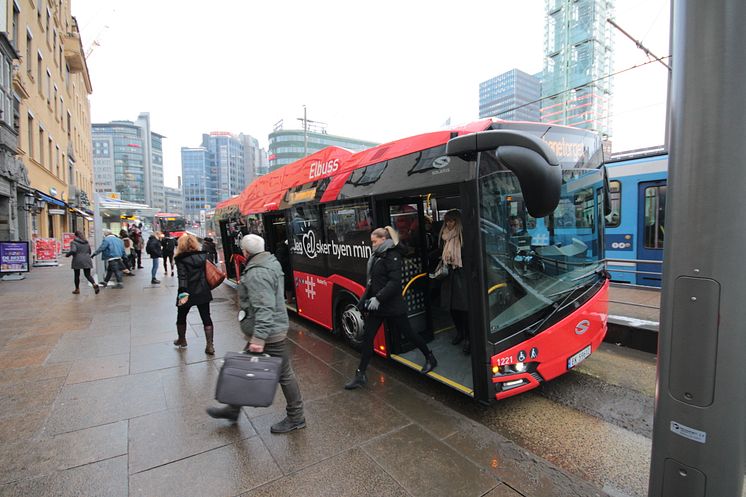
x=350, y=322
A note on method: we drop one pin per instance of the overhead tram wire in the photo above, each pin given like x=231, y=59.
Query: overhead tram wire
x=658, y=59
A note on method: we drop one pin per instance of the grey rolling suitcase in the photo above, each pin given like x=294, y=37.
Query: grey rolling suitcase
x=248, y=379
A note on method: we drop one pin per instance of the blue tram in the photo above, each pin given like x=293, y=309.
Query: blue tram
x=635, y=229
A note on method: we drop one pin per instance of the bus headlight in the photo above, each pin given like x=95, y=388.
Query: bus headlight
x=519, y=367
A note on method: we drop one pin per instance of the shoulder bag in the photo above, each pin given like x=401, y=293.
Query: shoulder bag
x=214, y=275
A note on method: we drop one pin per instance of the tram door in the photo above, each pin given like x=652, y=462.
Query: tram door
x=407, y=217
x=651, y=231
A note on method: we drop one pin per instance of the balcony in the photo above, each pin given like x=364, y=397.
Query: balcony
x=74, y=52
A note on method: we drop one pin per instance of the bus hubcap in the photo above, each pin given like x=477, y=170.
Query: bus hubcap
x=352, y=324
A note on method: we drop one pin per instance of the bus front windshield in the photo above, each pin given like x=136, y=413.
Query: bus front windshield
x=172, y=224
x=534, y=266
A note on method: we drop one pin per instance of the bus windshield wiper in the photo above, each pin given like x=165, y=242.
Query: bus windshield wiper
x=535, y=329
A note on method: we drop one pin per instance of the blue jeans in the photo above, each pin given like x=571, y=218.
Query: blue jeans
x=155, y=267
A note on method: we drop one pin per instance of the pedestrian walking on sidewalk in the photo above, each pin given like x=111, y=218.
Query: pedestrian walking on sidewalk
x=153, y=248
x=264, y=319
x=193, y=289
x=136, y=236
x=112, y=251
x=383, y=301
x=168, y=245
x=80, y=251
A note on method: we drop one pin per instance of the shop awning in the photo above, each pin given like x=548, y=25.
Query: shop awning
x=50, y=200
x=82, y=214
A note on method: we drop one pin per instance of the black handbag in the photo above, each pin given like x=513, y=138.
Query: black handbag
x=248, y=379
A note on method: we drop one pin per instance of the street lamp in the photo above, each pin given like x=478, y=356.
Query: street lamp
x=32, y=204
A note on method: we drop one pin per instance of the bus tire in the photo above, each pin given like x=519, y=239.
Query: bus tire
x=348, y=322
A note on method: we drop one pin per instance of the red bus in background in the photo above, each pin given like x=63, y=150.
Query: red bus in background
x=175, y=224
x=537, y=296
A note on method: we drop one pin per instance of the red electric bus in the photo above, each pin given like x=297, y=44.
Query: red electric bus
x=175, y=224
x=538, y=297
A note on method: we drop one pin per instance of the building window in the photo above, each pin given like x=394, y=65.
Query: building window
x=29, y=51
x=16, y=13
x=49, y=88
x=6, y=95
x=41, y=145
x=30, y=137
x=39, y=81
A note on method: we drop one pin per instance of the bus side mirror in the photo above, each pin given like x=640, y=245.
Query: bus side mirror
x=607, y=192
x=528, y=157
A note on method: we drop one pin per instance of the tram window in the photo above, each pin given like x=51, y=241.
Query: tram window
x=614, y=219
x=655, y=204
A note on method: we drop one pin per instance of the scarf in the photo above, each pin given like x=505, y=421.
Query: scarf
x=378, y=252
x=453, y=240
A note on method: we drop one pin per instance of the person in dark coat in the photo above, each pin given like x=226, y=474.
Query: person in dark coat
x=208, y=245
x=382, y=300
x=193, y=289
x=80, y=251
x=153, y=248
x=168, y=244
x=453, y=288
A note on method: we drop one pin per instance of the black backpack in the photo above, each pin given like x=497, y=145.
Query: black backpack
x=168, y=245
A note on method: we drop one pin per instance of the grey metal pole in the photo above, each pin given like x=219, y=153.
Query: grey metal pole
x=699, y=433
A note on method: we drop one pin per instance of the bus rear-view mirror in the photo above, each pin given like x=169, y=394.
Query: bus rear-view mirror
x=528, y=157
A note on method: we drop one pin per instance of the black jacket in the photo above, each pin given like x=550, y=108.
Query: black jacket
x=168, y=245
x=384, y=283
x=192, y=280
x=153, y=248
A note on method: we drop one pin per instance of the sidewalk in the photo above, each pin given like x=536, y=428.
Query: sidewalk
x=96, y=401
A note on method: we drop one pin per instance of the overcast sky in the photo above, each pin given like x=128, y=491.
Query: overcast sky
x=371, y=70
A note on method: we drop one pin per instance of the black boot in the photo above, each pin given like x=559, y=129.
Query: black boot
x=209, y=349
x=228, y=412
x=181, y=331
x=358, y=381
x=430, y=363
x=467, y=348
x=457, y=339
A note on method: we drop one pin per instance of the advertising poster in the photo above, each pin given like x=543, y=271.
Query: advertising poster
x=45, y=250
x=14, y=257
x=67, y=239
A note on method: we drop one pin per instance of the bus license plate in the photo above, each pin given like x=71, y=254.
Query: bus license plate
x=579, y=357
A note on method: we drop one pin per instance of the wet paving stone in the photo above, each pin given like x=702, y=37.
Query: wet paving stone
x=98, y=368
x=362, y=478
x=153, y=356
x=515, y=466
x=31, y=374
x=334, y=424
x=27, y=397
x=22, y=426
x=226, y=471
x=440, y=471
x=73, y=348
x=29, y=459
x=104, y=401
x=167, y=436
x=102, y=479
x=190, y=384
